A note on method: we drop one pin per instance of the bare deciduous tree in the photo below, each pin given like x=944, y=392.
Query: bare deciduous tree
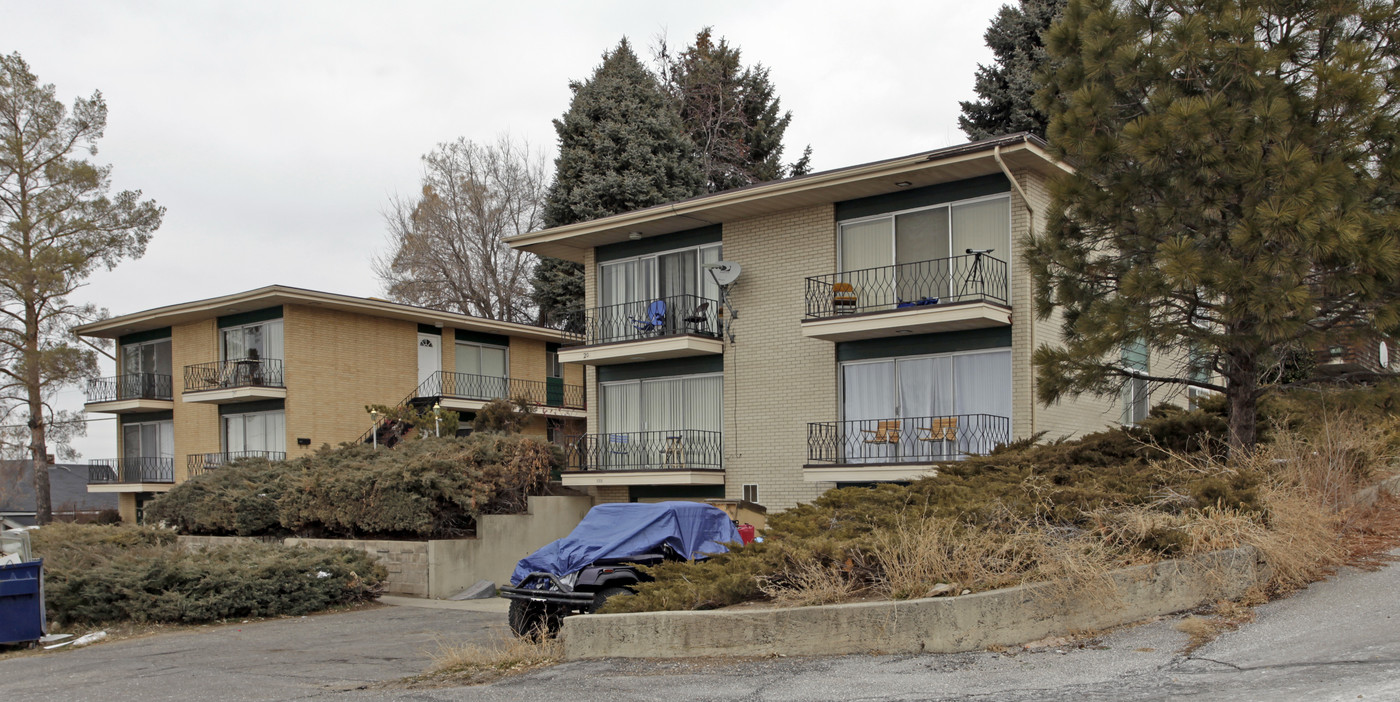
x=447, y=247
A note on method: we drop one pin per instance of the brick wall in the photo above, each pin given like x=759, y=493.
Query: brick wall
x=196, y=424
x=338, y=362
x=776, y=380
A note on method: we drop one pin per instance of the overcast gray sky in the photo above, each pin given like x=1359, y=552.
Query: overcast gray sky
x=275, y=132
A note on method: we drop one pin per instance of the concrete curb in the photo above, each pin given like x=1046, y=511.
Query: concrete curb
x=973, y=622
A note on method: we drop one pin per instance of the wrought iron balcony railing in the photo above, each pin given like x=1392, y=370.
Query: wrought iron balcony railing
x=198, y=463
x=683, y=449
x=131, y=470
x=129, y=386
x=235, y=373
x=905, y=439
x=674, y=315
x=976, y=277
x=469, y=386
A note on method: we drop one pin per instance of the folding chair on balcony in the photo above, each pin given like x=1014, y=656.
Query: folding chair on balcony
x=699, y=318
x=673, y=453
x=886, y=431
x=943, y=429
x=654, y=320
x=843, y=298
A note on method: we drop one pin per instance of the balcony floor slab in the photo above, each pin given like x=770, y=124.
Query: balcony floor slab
x=130, y=487
x=856, y=473
x=909, y=320
x=224, y=396
x=602, y=478
x=679, y=346
x=459, y=404
x=127, y=406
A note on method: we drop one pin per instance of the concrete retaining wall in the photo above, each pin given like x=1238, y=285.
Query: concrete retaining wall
x=501, y=540
x=442, y=568
x=938, y=625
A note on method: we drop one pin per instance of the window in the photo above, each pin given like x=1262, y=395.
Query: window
x=148, y=439
x=1200, y=371
x=482, y=359
x=659, y=276
x=255, y=431
x=262, y=340
x=1137, y=394
x=552, y=367
x=663, y=404
x=751, y=493
x=146, y=357
x=932, y=238
x=906, y=394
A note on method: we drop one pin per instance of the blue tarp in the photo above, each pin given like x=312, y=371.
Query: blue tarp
x=622, y=530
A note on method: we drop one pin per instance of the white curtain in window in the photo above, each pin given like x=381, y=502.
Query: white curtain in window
x=469, y=359
x=709, y=289
x=869, y=245
x=926, y=387
x=616, y=282
x=493, y=361
x=621, y=407
x=983, y=225
x=272, y=339
x=869, y=398
x=662, y=405
x=983, y=388
x=704, y=402
x=167, y=439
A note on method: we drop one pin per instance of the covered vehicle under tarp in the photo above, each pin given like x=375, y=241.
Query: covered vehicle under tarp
x=623, y=530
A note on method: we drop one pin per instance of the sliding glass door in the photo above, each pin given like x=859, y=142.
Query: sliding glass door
x=926, y=407
x=656, y=422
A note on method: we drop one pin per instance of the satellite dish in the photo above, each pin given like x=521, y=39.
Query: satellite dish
x=724, y=272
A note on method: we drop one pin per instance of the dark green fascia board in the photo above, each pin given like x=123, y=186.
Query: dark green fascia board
x=980, y=186
x=692, y=365
x=921, y=344
x=477, y=337
x=429, y=329
x=675, y=492
x=254, y=316
x=148, y=335
x=711, y=234
x=138, y=417
x=259, y=406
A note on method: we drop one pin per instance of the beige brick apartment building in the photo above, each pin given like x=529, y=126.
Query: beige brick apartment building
x=280, y=371
x=882, y=322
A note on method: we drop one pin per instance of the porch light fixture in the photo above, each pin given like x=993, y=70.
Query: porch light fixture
x=437, y=419
x=634, y=235
x=902, y=184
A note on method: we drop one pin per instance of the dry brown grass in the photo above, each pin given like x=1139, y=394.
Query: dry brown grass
x=474, y=664
x=809, y=582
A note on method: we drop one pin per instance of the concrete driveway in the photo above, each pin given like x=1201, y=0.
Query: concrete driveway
x=272, y=660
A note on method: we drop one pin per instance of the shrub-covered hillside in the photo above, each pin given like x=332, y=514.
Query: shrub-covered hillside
x=97, y=574
x=433, y=488
x=1064, y=511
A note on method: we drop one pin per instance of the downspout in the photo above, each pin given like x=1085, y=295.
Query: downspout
x=1030, y=230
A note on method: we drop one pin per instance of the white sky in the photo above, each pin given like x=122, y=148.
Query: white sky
x=274, y=133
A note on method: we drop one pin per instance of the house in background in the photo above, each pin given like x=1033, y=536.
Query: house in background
x=882, y=322
x=68, y=495
x=279, y=371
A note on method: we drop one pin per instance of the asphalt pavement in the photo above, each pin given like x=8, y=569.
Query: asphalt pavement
x=1337, y=640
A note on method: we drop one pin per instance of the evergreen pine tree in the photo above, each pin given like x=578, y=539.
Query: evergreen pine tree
x=731, y=112
x=621, y=148
x=1234, y=192
x=1006, y=89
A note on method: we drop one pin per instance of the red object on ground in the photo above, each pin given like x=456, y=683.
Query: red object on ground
x=746, y=532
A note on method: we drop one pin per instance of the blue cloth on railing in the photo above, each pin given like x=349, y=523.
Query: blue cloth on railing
x=917, y=303
x=622, y=530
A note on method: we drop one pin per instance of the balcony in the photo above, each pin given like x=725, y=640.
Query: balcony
x=862, y=450
x=130, y=392
x=469, y=392
x=681, y=457
x=647, y=330
x=237, y=380
x=131, y=474
x=198, y=463
x=939, y=295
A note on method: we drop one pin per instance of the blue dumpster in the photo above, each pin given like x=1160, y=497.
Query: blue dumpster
x=22, y=615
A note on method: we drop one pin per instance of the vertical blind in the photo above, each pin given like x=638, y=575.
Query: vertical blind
x=663, y=404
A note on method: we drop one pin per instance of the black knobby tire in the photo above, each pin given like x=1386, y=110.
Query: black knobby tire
x=526, y=618
x=602, y=596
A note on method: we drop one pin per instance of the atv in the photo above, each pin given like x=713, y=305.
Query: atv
x=603, y=558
